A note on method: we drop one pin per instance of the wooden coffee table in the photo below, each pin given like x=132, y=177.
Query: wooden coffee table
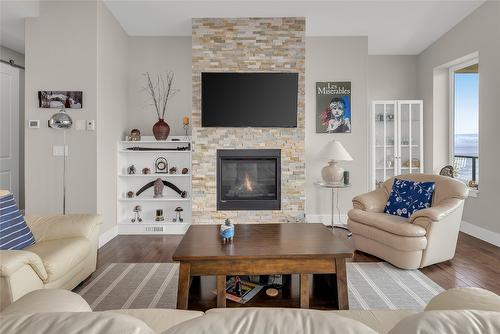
x=263, y=249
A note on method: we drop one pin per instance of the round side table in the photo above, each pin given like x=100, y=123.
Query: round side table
x=335, y=188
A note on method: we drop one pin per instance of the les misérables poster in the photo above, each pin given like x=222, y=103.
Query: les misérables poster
x=333, y=107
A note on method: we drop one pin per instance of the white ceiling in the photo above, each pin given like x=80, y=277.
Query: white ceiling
x=392, y=27
x=12, y=15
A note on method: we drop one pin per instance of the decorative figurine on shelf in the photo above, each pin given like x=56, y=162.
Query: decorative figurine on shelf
x=161, y=166
x=177, y=216
x=131, y=170
x=130, y=194
x=227, y=231
x=146, y=171
x=156, y=185
x=159, y=215
x=172, y=170
x=135, y=135
x=185, y=124
x=185, y=170
x=158, y=188
x=137, y=215
x=473, y=184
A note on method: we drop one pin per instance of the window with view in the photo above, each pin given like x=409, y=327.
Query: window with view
x=465, y=122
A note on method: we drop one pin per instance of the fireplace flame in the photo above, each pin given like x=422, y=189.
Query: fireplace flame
x=248, y=183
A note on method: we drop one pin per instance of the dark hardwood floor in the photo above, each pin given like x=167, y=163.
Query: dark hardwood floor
x=476, y=264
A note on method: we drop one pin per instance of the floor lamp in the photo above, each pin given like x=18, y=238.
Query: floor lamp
x=61, y=120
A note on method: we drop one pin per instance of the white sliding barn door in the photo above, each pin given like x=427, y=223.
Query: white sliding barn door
x=9, y=129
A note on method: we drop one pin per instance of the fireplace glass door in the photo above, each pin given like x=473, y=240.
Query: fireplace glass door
x=248, y=180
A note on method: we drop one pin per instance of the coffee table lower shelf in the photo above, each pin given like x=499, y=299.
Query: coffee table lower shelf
x=226, y=267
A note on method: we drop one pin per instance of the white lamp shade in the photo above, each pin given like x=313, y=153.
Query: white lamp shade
x=335, y=151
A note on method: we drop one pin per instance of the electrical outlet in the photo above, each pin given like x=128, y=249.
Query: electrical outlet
x=90, y=125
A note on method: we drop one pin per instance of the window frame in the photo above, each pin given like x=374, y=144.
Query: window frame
x=451, y=113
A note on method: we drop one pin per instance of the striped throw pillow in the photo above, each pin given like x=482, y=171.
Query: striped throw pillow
x=14, y=233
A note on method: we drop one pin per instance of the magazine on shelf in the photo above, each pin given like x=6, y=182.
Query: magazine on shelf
x=248, y=290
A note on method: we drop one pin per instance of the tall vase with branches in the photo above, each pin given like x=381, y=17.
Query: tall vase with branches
x=160, y=90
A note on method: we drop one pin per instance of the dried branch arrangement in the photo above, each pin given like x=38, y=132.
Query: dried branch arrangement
x=160, y=90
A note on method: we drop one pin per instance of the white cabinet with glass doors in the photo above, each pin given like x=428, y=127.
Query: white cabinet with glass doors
x=396, y=140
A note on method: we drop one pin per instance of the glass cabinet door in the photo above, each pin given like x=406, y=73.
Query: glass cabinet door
x=410, y=136
x=384, y=133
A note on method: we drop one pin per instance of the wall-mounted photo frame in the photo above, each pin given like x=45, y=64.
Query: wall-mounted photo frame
x=59, y=99
x=333, y=107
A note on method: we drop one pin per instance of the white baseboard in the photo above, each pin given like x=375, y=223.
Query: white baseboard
x=325, y=219
x=108, y=236
x=480, y=233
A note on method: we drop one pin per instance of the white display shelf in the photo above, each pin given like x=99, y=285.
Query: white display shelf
x=152, y=222
x=155, y=151
x=133, y=182
x=152, y=140
x=153, y=176
x=405, y=126
x=151, y=199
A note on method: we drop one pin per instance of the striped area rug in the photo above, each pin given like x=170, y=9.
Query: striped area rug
x=380, y=285
x=154, y=285
x=132, y=285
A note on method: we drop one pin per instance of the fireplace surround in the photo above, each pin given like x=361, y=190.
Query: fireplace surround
x=249, y=45
x=249, y=179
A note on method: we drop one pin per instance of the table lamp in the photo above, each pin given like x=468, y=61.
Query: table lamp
x=335, y=152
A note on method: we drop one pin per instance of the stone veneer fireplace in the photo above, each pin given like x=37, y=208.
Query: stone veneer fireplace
x=248, y=179
x=248, y=45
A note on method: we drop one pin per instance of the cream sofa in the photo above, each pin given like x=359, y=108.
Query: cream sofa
x=65, y=253
x=429, y=236
x=461, y=310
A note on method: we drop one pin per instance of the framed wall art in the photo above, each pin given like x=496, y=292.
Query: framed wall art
x=333, y=107
x=59, y=99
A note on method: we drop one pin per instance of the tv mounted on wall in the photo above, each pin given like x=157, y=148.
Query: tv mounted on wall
x=249, y=99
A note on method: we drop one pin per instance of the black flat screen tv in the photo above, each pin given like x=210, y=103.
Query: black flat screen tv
x=249, y=99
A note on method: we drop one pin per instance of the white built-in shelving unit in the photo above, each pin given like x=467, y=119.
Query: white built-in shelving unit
x=133, y=182
x=397, y=139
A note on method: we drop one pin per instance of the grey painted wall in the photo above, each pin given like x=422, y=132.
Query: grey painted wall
x=392, y=77
x=112, y=120
x=158, y=55
x=70, y=66
x=479, y=32
x=336, y=59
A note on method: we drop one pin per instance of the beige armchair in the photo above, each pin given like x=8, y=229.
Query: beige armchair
x=64, y=254
x=429, y=236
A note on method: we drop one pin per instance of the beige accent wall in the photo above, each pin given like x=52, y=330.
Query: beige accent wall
x=479, y=32
x=158, y=55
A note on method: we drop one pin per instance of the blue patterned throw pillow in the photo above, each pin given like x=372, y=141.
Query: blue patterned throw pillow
x=409, y=196
x=14, y=233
